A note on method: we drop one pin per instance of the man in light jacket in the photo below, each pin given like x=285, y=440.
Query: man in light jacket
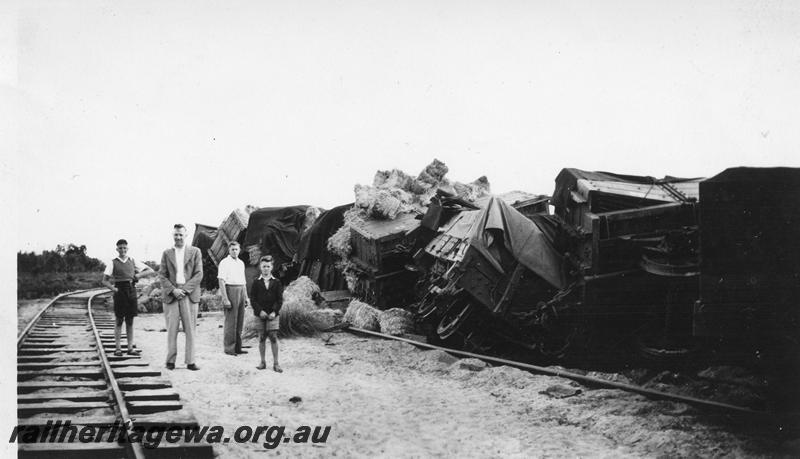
x=180, y=274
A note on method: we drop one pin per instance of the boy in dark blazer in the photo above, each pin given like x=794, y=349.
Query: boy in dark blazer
x=266, y=296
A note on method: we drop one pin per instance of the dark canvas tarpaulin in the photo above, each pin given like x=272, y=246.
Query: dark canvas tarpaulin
x=277, y=231
x=317, y=261
x=527, y=243
x=204, y=236
x=315, y=241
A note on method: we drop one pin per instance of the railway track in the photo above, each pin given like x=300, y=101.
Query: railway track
x=66, y=371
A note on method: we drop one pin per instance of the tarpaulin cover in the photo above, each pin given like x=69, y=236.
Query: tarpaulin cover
x=314, y=244
x=204, y=236
x=313, y=251
x=527, y=243
x=277, y=231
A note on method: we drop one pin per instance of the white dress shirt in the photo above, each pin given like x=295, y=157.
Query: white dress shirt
x=180, y=276
x=231, y=270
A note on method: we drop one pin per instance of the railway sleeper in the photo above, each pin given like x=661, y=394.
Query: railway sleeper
x=153, y=406
x=72, y=450
x=128, y=372
x=51, y=365
x=179, y=449
x=30, y=386
x=151, y=395
x=129, y=384
x=49, y=359
x=51, y=350
x=84, y=421
x=29, y=409
x=95, y=374
x=70, y=396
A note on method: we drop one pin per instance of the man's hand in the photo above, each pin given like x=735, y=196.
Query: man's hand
x=177, y=293
x=114, y=289
x=271, y=316
x=262, y=314
x=226, y=302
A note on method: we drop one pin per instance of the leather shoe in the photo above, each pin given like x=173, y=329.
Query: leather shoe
x=241, y=352
x=192, y=367
x=170, y=366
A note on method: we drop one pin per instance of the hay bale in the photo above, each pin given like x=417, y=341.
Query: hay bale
x=339, y=243
x=148, y=287
x=396, y=321
x=301, y=319
x=382, y=203
x=364, y=196
x=362, y=315
x=433, y=173
x=312, y=214
x=210, y=300
x=327, y=316
x=473, y=190
x=254, y=254
x=298, y=314
x=386, y=206
x=251, y=324
x=302, y=287
x=151, y=302
x=392, y=179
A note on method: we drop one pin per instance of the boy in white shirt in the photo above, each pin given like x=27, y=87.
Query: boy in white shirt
x=232, y=287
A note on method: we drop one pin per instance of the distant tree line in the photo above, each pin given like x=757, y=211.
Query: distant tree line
x=69, y=258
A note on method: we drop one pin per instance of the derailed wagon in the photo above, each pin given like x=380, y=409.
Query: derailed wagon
x=620, y=262
x=485, y=267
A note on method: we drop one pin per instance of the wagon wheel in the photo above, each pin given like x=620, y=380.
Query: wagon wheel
x=427, y=308
x=457, y=314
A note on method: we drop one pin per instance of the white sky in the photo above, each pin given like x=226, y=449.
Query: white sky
x=132, y=116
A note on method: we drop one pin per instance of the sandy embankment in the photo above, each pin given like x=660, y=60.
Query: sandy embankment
x=27, y=309
x=385, y=398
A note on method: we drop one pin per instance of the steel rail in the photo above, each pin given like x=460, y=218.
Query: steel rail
x=135, y=448
x=21, y=337
x=588, y=380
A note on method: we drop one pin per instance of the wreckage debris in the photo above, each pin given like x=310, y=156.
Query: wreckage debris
x=376, y=241
x=651, y=262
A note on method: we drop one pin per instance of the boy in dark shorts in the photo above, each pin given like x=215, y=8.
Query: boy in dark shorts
x=124, y=271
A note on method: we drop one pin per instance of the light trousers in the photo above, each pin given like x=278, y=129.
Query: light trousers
x=177, y=312
x=234, y=319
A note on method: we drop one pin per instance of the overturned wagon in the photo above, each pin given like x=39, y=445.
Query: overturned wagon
x=490, y=268
x=625, y=259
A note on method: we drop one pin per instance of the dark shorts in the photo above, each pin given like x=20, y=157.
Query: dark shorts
x=125, y=303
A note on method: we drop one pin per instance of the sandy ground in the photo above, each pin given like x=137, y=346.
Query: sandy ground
x=385, y=398
x=26, y=309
